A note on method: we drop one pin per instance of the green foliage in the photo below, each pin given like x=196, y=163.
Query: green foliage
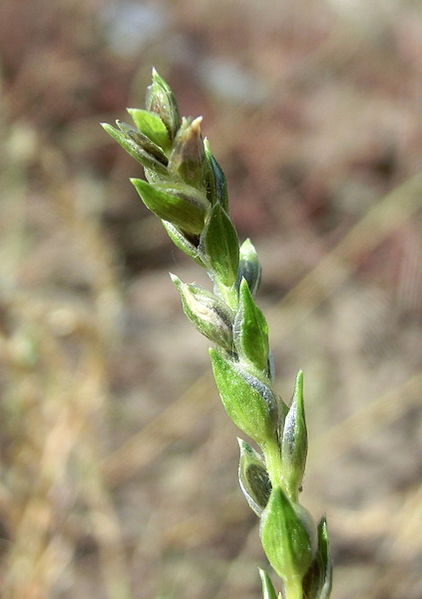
x=187, y=190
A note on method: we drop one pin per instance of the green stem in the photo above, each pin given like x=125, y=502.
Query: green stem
x=272, y=456
x=293, y=588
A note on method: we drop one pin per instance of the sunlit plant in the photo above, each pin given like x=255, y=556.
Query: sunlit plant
x=187, y=190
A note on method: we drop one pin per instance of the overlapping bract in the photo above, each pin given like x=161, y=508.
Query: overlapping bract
x=186, y=188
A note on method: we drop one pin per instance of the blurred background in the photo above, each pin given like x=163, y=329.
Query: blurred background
x=118, y=464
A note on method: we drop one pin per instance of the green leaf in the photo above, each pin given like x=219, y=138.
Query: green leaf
x=285, y=538
x=251, y=330
x=253, y=478
x=249, y=266
x=207, y=312
x=132, y=148
x=294, y=444
x=161, y=100
x=220, y=245
x=152, y=126
x=216, y=180
x=173, y=204
x=184, y=244
x=268, y=590
x=250, y=403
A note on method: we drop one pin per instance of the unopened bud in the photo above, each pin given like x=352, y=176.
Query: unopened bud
x=187, y=159
x=210, y=315
x=161, y=100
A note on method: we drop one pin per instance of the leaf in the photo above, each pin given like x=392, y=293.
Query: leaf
x=268, y=591
x=253, y=478
x=294, y=444
x=172, y=204
x=152, y=126
x=250, y=403
x=285, y=538
x=251, y=330
x=220, y=245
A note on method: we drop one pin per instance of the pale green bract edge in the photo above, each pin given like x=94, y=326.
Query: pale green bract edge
x=186, y=188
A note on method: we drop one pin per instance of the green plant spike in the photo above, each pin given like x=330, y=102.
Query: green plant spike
x=187, y=190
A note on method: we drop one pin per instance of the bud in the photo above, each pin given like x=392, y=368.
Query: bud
x=285, y=538
x=220, y=245
x=268, y=590
x=136, y=151
x=216, y=181
x=152, y=126
x=249, y=266
x=294, y=444
x=184, y=244
x=187, y=159
x=318, y=580
x=184, y=207
x=253, y=478
x=142, y=141
x=210, y=315
x=248, y=401
x=251, y=330
x=161, y=100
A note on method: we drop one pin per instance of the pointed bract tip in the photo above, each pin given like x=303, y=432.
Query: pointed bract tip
x=175, y=279
x=299, y=381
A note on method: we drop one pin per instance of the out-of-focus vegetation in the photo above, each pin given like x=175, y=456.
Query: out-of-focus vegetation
x=313, y=109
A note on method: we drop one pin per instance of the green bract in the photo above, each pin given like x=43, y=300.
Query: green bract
x=187, y=190
x=221, y=246
x=253, y=478
x=285, y=538
x=251, y=330
x=152, y=126
x=248, y=401
x=184, y=209
x=294, y=445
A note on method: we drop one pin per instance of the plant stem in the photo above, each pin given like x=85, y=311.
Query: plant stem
x=273, y=462
x=293, y=588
